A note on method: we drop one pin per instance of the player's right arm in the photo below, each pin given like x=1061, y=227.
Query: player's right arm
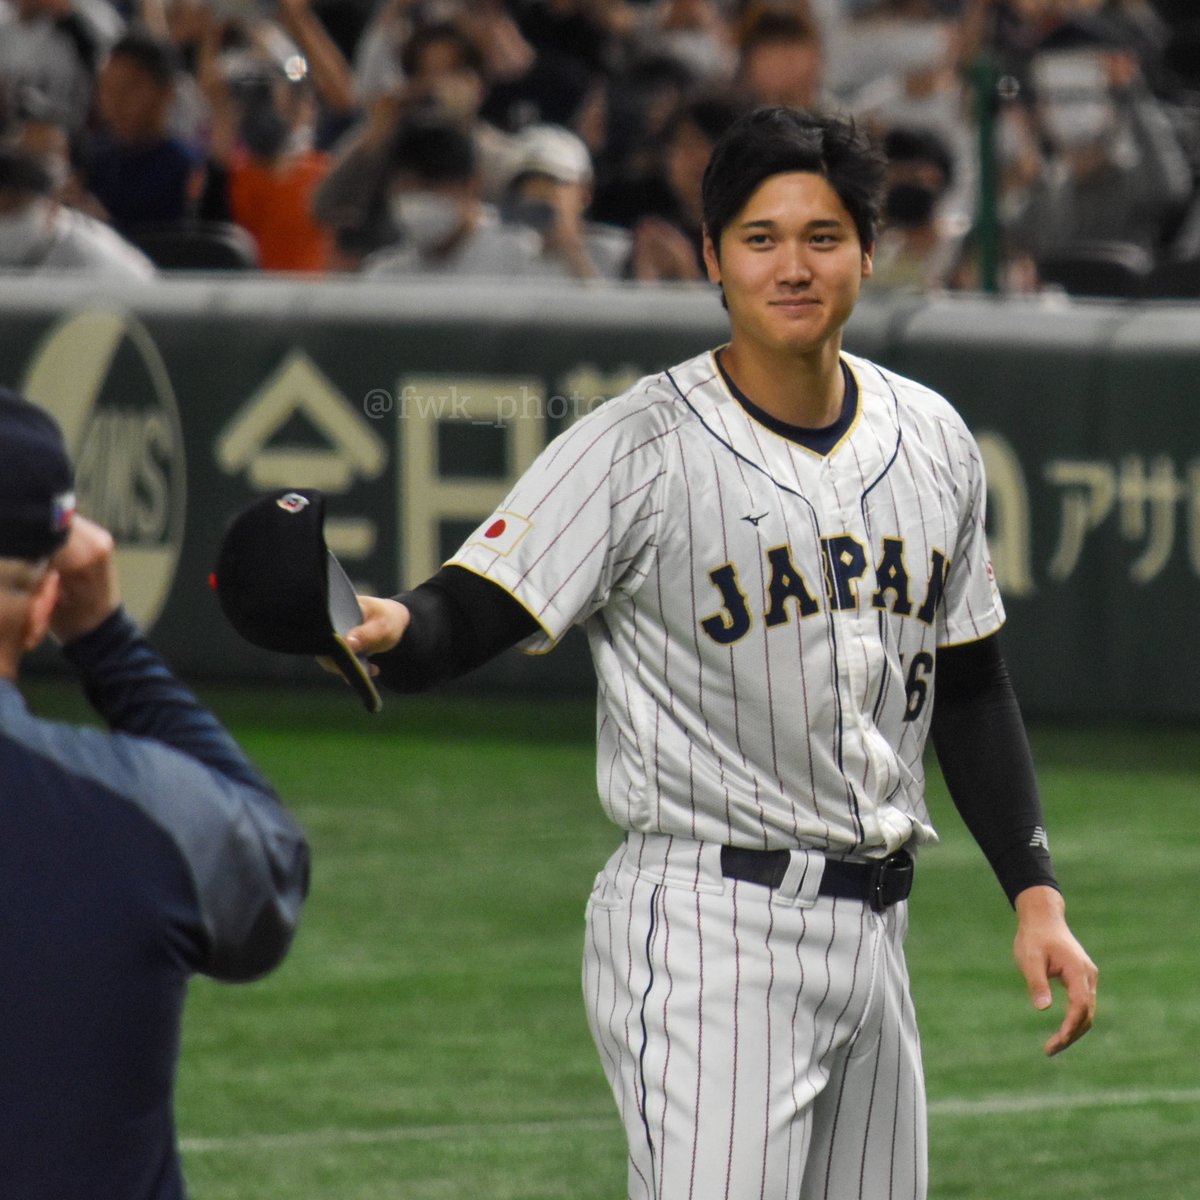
x=451, y=624
x=591, y=505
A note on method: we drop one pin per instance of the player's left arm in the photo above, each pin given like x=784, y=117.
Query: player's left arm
x=983, y=750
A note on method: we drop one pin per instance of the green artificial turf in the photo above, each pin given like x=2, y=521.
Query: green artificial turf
x=426, y=1037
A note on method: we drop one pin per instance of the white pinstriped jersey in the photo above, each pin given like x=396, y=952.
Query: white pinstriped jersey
x=763, y=619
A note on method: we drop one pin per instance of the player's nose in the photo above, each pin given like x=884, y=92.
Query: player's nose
x=792, y=265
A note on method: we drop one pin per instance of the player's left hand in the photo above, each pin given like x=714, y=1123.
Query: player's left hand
x=1046, y=949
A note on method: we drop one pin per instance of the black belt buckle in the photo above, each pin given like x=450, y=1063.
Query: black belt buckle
x=891, y=881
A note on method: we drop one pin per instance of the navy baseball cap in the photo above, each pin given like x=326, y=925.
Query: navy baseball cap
x=37, y=497
x=280, y=586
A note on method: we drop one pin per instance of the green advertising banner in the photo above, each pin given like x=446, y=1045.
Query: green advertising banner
x=413, y=406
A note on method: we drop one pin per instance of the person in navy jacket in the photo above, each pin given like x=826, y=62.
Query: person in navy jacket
x=130, y=859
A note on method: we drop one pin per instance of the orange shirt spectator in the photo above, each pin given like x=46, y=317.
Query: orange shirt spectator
x=273, y=201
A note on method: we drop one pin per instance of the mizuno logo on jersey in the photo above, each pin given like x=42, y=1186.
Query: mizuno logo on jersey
x=844, y=566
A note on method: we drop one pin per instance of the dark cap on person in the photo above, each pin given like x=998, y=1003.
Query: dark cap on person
x=37, y=498
x=281, y=587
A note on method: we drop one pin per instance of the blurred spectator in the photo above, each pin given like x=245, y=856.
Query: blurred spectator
x=528, y=86
x=138, y=171
x=44, y=133
x=443, y=73
x=695, y=33
x=434, y=197
x=37, y=233
x=918, y=84
x=263, y=132
x=663, y=208
x=594, y=33
x=893, y=39
x=1018, y=274
x=269, y=101
x=351, y=202
x=781, y=61
x=550, y=191
x=636, y=111
x=54, y=48
x=443, y=79
x=334, y=97
x=1115, y=169
x=920, y=244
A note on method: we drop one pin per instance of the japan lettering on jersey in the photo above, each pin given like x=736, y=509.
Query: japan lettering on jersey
x=763, y=619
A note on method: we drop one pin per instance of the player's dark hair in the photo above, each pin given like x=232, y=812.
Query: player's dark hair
x=436, y=151
x=154, y=56
x=775, y=140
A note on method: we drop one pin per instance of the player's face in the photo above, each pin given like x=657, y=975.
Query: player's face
x=790, y=265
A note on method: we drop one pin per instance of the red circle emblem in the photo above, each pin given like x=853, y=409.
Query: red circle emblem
x=496, y=528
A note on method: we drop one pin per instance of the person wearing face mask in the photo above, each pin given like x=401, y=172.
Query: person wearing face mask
x=408, y=67
x=38, y=233
x=919, y=243
x=442, y=225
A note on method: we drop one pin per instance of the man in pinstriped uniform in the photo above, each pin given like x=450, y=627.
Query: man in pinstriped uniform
x=777, y=551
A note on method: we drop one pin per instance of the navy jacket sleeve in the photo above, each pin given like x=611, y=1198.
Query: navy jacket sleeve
x=247, y=857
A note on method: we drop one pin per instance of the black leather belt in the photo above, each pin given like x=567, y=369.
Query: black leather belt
x=879, y=884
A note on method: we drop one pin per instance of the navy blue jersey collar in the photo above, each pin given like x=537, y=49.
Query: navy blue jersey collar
x=819, y=441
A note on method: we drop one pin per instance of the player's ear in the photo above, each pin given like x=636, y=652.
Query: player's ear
x=867, y=265
x=712, y=262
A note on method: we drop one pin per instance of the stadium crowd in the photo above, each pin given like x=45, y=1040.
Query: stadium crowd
x=567, y=138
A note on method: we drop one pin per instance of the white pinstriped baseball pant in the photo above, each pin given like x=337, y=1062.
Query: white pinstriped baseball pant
x=759, y=1046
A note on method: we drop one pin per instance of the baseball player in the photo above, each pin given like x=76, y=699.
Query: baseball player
x=777, y=552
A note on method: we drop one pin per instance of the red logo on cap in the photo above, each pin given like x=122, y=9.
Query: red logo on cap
x=293, y=502
x=496, y=528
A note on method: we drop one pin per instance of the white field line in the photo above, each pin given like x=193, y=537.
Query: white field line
x=986, y=1106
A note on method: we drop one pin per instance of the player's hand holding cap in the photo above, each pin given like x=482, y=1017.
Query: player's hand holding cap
x=281, y=587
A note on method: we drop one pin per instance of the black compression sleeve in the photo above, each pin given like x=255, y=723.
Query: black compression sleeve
x=459, y=620
x=984, y=754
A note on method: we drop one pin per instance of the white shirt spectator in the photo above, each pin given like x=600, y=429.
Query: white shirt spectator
x=491, y=248
x=47, y=237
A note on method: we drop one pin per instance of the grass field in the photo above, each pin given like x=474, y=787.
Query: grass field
x=426, y=1038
